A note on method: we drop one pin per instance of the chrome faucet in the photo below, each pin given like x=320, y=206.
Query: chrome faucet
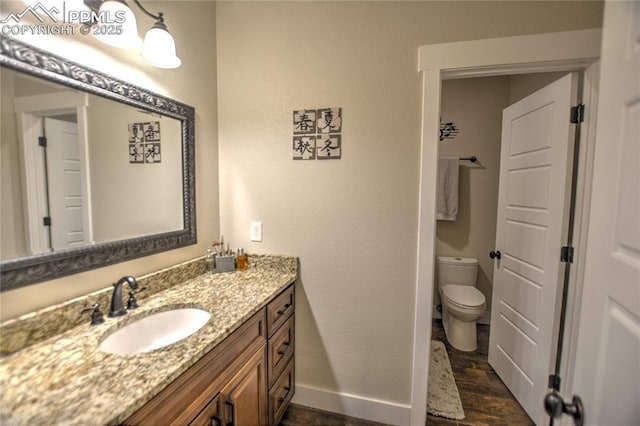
x=117, y=307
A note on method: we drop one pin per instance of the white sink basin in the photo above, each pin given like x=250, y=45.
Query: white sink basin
x=155, y=331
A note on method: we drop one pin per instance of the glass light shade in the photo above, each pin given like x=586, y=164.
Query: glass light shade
x=159, y=47
x=119, y=16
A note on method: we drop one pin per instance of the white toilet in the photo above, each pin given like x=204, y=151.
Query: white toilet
x=462, y=303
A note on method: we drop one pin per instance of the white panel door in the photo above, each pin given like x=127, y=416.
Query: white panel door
x=66, y=196
x=536, y=154
x=607, y=364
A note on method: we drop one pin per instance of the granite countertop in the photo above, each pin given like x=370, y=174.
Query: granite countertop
x=67, y=380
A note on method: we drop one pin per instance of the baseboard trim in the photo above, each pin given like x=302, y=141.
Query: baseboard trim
x=353, y=405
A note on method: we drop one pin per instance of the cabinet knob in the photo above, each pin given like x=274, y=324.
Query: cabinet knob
x=495, y=254
x=284, y=351
x=283, y=397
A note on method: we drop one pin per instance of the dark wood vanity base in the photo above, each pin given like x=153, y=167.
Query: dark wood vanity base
x=248, y=379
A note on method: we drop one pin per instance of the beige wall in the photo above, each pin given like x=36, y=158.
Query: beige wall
x=523, y=85
x=353, y=222
x=192, y=24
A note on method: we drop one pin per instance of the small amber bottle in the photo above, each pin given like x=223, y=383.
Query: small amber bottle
x=241, y=261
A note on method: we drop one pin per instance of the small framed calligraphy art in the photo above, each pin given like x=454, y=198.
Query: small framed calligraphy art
x=329, y=147
x=136, y=132
x=304, y=122
x=151, y=131
x=304, y=147
x=152, y=153
x=144, y=142
x=329, y=120
x=136, y=153
x=317, y=134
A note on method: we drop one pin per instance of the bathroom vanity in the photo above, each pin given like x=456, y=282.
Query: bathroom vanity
x=237, y=369
x=229, y=384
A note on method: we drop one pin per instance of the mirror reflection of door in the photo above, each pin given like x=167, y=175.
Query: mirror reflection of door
x=66, y=198
x=54, y=171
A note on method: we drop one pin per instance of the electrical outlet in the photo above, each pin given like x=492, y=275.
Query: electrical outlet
x=256, y=231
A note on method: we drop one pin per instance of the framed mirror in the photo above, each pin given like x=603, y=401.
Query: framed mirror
x=95, y=170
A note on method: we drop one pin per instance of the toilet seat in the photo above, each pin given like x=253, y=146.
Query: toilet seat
x=463, y=296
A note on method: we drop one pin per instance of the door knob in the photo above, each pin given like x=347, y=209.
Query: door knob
x=555, y=407
x=495, y=254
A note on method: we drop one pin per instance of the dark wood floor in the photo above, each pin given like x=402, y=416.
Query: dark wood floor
x=297, y=415
x=485, y=399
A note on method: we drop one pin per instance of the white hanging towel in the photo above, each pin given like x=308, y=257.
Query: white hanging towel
x=447, y=189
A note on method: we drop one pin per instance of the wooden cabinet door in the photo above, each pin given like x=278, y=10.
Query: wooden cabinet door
x=211, y=415
x=245, y=399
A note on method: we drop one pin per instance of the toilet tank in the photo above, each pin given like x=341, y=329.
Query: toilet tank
x=457, y=270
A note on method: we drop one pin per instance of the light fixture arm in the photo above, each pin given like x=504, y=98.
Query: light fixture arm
x=159, y=17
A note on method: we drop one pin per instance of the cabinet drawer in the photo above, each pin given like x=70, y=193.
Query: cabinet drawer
x=281, y=393
x=281, y=347
x=280, y=309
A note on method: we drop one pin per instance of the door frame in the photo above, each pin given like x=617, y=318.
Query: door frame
x=30, y=111
x=548, y=52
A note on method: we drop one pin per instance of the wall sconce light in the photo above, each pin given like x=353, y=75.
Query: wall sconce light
x=119, y=28
x=114, y=23
x=158, y=48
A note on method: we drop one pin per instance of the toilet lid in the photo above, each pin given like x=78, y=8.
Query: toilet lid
x=463, y=295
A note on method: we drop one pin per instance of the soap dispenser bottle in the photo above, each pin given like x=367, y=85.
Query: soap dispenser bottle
x=209, y=262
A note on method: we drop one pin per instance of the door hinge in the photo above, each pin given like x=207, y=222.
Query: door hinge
x=577, y=113
x=46, y=221
x=566, y=254
x=42, y=141
x=554, y=382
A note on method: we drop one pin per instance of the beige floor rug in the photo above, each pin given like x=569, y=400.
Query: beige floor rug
x=443, y=397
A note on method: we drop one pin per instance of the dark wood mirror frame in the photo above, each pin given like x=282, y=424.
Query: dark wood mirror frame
x=21, y=272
